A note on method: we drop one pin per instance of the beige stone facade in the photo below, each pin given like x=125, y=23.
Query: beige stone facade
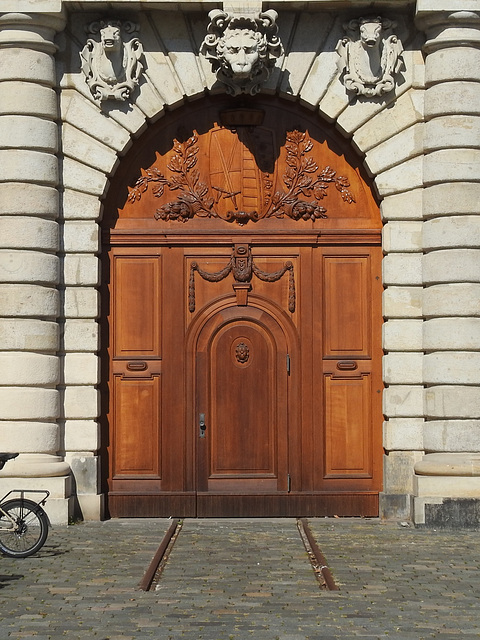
x=59, y=147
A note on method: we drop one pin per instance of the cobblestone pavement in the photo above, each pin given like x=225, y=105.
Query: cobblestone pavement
x=240, y=579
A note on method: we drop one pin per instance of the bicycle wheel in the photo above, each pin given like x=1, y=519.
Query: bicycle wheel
x=27, y=533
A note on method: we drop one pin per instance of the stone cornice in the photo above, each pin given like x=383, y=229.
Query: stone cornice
x=446, y=29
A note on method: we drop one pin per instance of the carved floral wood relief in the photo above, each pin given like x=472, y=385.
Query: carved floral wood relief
x=242, y=184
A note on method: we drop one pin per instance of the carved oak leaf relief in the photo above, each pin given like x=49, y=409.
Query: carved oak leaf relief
x=305, y=187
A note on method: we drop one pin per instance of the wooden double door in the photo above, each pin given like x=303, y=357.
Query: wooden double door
x=243, y=320
x=245, y=399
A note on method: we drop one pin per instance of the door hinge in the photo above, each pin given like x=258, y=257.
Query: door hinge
x=288, y=363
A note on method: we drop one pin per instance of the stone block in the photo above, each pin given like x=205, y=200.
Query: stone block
x=449, y=98
x=78, y=145
x=402, y=237
x=402, y=302
x=40, y=167
x=396, y=150
x=80, y=206
x=81, y=335
x=320, y=76
x=446, y=367
x=402, y=269
x=81, y=369
x=89, y=507
x=81, y=302
x=29, y=403
x=82, y=435
x=398, y=469
x=27, y=132
x=403, y=368
x=447, y=486
x=404, y=177
x=81, y=269
x=455, y=299
x=451, y=199
x=86, y=472
x=403, y=434
x=395, y=506
x=81, y=403
x=402, y=401
x=81, y=236
x=28, y=267
x=449, y=514
x=25, y=300
x=453, y=63
x=28, y=98
x=20, y=368
x=334, y=101
x=452, y=165
x=25, y=199
x=454, y=131
x=402, y=335
x=19, y=334
x=452, y=401
x=29, y=437
x=451, y=265
x=452, y=232
x=21, y=232
x=452, y=436
x=81, y=177
x=441, y=334
x=84, y=115
x=27, y=64
x=401, y=114
x=403, y=206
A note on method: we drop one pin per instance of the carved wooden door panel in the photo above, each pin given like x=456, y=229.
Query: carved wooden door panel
x=243, y=333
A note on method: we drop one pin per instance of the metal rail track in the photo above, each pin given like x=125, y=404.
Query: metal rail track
x=316, y=557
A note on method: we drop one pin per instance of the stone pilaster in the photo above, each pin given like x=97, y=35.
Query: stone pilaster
x=445, y=478
x=29, y=270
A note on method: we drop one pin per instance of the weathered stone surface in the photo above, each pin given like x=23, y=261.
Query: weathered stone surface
x=18, y=232
x=403, y=335
x=451, y=333
x=452, y=401
x=28, y=267
x=403, y=206
x=81, y=335
x=403, y=368
x=28, y=403
x=25, y=199
x=79, y=145
x=85, y=469
x=460, y=367
x=27, y=132
x=398, y=471
x=452, y=435
x=451, y=165
x=403, y=177
x=80, y=206
x=402, y=237
x=81, y=237
x=403, y=434
x=402, y=302
x=452, y=97
x=20, y=368
x=27, y=300
x=402, y=269
x=81, y=369
x=396, y=150
x=81, y=302
x=452, y=265
x=451, y=132
x=454, y=299
x=403, y=401
x=454, y=63
x=27, y=98
x=80, y=177
x=81, y=403
x=40, y=167
x=27, y=64
x=82, y=435
x=452, y=232
x=29, y=437
x=19, y=334
x=451, y=199
x=81, y=269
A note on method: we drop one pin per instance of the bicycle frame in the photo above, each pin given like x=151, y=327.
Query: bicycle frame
x=22, y=493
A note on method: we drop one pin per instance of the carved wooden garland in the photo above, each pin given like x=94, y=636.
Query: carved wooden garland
x=243, y=268
x=194, y=199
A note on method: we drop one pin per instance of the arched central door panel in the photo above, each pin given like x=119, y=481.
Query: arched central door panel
x=242, y=299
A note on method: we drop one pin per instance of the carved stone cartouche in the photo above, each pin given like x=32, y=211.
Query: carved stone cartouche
x=242, y=50
x=370, y=56
x=111, y=61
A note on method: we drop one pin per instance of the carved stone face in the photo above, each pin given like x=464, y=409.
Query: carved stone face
x=110, y=38
x=370, y=33
x=240, y=52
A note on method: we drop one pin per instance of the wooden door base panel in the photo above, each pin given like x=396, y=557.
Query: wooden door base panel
x=188, y=505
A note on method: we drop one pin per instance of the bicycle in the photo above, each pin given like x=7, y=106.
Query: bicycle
x=23, y=522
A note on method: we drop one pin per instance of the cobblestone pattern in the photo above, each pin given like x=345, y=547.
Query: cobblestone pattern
x=241, y=579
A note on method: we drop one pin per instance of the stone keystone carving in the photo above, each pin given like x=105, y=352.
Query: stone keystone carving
x=370, y=56
x=242, y=50
x=111, y=62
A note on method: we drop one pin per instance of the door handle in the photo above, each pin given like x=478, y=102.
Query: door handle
x=202, y=425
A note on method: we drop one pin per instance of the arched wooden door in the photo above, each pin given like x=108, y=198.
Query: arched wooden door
x=243, y=319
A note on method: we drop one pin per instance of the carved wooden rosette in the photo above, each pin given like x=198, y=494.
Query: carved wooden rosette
x=238, y=181
x=243, y=268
